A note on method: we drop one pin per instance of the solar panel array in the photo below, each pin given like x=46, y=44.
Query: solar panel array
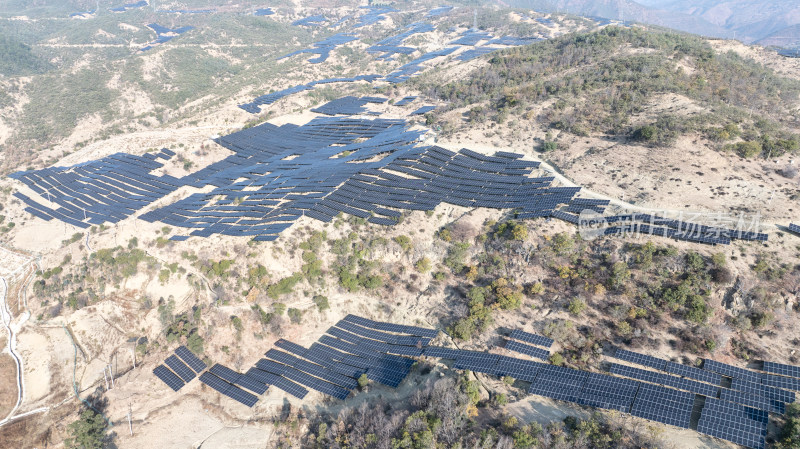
x=347, y=105
x=731, y=371
x=781, y=369
x=733, y=422
x=254, y=106
x=786, y=383
x=688, y=385
x=315, y=20
x=663, y=405
x=232, y=391
x=264, y=12
x=190, y=359
x=405, y=100
x=164, y=34
x=647, y=224
x=354, y=346
x=476, y=52
x=168, y=377
x=373, y=15
x=640, y=359
x=532, y=351
x=423, y=110
x=527, y=337
x=181, y=370
x=603, y=391
x=794, y=228
x=394, y=44
x=558, y=382
x=258, y=193
x=438, y=11
x=694, y=373
x=471, y=37
x=323, y=48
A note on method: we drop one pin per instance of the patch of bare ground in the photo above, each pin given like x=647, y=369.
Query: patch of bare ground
x=8, y=383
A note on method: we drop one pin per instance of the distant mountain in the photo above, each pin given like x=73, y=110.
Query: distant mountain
x=747, y=20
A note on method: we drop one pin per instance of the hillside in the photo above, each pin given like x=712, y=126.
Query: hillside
x=328, y=225
x=746, y=20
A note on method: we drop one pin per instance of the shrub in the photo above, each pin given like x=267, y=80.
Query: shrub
x=321, y=302
x=423, y=265
x=647, y=133
x=576, y=306
x=295, y=315
x=404, y=241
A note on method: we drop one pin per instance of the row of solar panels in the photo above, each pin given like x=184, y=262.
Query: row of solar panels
x=354, y=346
x=732, y=417
x=182, y=368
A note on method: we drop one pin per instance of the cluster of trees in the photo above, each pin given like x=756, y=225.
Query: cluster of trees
x=598, y=85
x=445, y=414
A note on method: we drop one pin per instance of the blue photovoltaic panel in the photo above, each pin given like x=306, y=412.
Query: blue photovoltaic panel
x=168, y=377
x=739, y=424
x=229, y=375
x=527, y=337
x=303, y=378
x=180, y=368
x=663, y=405
x=608, y=392
x=781, y=369
x=786, y=383
x=518, y=369
x=527, y=350
x=558, y=383
x=640, y=359
x=757, y=388
x=694, y=373
x=407, y=340
x=190, y=359
x=730, y=371
x=752, y=400
x=389, y=327
x=665, y=379
x=444, y=353
x=312, y=368
x=229, y=390
x=277, y=381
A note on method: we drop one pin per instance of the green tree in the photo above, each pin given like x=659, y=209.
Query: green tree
x=88, y=432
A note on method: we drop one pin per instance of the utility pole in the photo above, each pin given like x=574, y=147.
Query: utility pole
x=106, y=378
x=475, y=19
x=111, y=372
x=130, y=425
x=133, y=354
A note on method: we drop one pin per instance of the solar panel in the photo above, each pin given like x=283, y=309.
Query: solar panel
x=640, y=359
x=527, y=350
x=531, y=338
x=753, y=400
x=558, y=383
x=608, y=392
x=694, y=373
x=277, y=381
x=732, y=422
x=758, y=388
x=180, y=368
x=782, y=369
x=229, y=390
x=190, y=359
x=663, y=405
x=168, y=377
x=302, y=378
x=786, y=383
x=730, y=371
